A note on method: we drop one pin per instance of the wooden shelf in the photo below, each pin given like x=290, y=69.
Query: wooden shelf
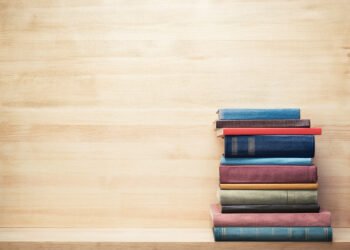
x=186, y=238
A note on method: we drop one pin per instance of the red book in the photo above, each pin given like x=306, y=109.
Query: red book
x=321, y=219
x=267, y=174
x=268, y=131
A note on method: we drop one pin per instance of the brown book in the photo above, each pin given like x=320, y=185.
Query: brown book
x=288, y=123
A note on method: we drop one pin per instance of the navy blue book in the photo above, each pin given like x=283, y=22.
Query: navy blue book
x=273, y=233
x=258, y=114
x=301, y=146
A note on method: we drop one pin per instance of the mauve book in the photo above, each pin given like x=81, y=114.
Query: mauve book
x=321, y=219
x=267, y=174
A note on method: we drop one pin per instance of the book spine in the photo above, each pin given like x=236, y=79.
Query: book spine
x=298, y=208
x=290, y=123
x=269, y=186
x=270, y=131
x=270, y=146
x=322, y=219
x=273, y=233
x=295, y=161
x=267, y=174
x=258, y=114
x=265, y=197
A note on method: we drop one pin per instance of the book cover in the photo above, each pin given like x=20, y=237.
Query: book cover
x=235, y=197
x=290, y=123
x=290, y=161
x=295, y=208
x=268, y=131
x=267, y=174
x=272, y=233
x=321, y=219
x=269, y=186
x=258, y=114
x=301, y=146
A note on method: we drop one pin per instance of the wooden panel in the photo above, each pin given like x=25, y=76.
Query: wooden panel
x=172, y=246
x=106, y=107
x=123, y=235
x=180, y=238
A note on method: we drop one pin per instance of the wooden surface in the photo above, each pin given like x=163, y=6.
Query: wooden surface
x=109, y=235
x=173, y=246
x=124, y=235
x=106, y=107
x=144, y=239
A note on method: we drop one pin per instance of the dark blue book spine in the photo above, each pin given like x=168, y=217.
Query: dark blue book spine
x=273, y=233
x=258, y=114
x=302, y=146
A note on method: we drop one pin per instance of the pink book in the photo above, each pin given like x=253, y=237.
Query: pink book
x=321, y=219
x=267, y=174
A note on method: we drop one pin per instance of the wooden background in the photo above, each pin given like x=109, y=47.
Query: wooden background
x=106, y=107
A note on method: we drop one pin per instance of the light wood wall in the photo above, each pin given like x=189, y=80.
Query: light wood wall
x=106, y=107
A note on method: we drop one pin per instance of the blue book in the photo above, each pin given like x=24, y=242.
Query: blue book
x=266, y=161
x=301, y=146
x=273, y=233
x=258, y=114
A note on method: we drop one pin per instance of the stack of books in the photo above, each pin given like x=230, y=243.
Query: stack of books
x=268, y=183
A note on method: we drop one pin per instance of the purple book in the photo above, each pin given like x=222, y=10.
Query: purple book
x=321, y=219
x=267, y=174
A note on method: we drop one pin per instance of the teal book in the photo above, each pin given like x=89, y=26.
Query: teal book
x=266, y=161
x=273, y=233
x=258, y=114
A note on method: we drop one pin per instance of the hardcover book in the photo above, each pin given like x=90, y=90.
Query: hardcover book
x=236, y=197
x=272, y=233
x=267, y=174
x=321, y=219
x=268, y=131
x=292, y=161
x=297, y=208
x=302, y=146
x=269, y=186
x=290, y=123
x=258, y=114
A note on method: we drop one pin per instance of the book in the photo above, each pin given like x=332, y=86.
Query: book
x=236, y=197
x=267, y=174
x=268, y=131
x=321, y=219
x=295, y=161
x=296, y=208
x=269, y=186
x=272, y=233
x=258, y=114
x=302, y=146
x=290, y=123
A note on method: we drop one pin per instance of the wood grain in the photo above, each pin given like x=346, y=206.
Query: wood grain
x=123, y=235
x=106, y=107
x=172, y=245
x=165, y=238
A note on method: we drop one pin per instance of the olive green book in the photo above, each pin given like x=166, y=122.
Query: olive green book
x=254, y=197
